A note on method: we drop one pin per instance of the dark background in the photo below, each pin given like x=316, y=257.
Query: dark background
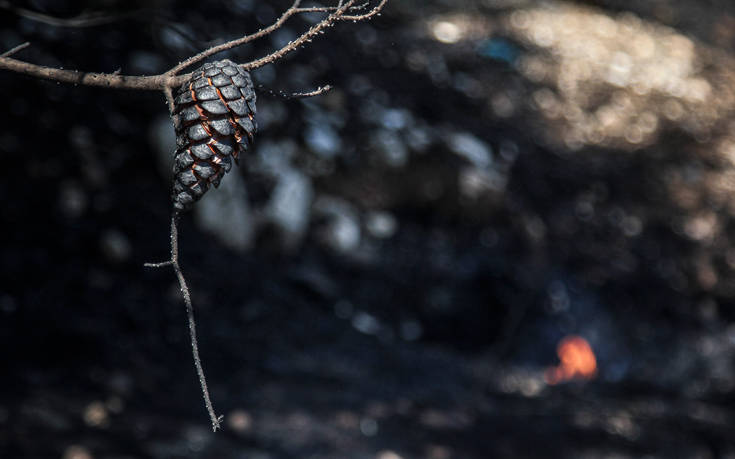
x=484, y=179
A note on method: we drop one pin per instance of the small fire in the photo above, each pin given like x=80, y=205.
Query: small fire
x=577, y=361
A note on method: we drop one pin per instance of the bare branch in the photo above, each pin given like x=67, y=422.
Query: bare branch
x=162, y=264
x=174, y=261
x=107, y=80
x=83, y=20
x=316, y=92
x=305, y=37
x=169, y=99
x=170, y=78
x=327, y=9
x=240, y=41
x=148, y=83
x=367, y=15
x=295, y=95
x=337, y=14
x=12, y=51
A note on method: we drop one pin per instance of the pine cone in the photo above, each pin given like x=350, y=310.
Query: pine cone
x=214, y=121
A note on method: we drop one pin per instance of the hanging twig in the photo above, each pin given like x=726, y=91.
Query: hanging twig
x=174, y=262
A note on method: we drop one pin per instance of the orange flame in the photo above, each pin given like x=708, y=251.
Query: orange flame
x=577, y=361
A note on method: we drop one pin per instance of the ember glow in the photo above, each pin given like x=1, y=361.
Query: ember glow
x=577, y=361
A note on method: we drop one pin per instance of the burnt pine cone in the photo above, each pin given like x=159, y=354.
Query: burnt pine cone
x=214, y=121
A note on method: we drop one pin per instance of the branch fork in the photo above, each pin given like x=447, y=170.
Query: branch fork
x=172, y=77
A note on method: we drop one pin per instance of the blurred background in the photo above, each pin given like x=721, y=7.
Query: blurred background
x=506, y=232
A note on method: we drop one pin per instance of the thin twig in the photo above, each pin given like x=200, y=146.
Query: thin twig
x=12, y=51
x=303, y=38
x=368, y=15
x=327, y=9
x=174, y=262
x=294, y=9
x=240, y=41
x=83, y=20
x=158, y=265
x=316, y=92
x=169, y=99
x=295, y=95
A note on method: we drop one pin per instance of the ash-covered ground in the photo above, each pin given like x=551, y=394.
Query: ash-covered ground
x=390, y=273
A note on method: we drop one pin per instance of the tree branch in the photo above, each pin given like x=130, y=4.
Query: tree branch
x=306, y=36
x=107, y=80
x=295, y=95
x=169, y=99
x=240, y=41
x=327, y=9
x=338, y=11
x=12, y=51
x=170, y=78
x=368, y=15
x=316, y=92
x=83, y=20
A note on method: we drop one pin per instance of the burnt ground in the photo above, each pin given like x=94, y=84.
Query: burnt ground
x=485, y=179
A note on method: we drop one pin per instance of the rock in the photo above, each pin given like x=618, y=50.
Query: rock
x=380, y=225
x=391, y=148
x=342, y=232
x=323, y=140
x=471, y=148
x=225, y=213
x=290, y=204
